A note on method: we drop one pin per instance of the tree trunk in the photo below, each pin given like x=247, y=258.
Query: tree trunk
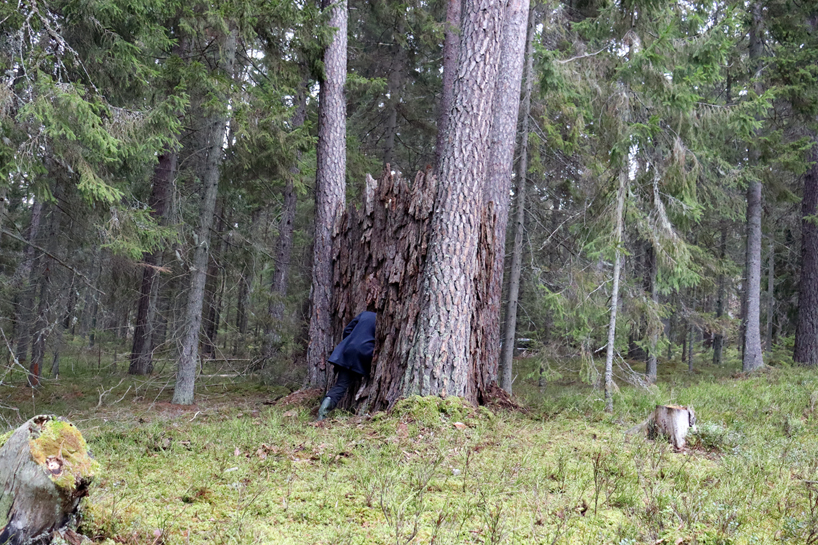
x=752, y=357
x=284, y=244
x=45, y=470
x=141, y=357
x=497, y=188
x=451, y=51
x=443, y=358
x=768, y=337
x=25, y=275
x=214, y=289
x=718, y=340
x=188, y=359
x=653, y=335
x=510, y=333
x=806, y=333
x=609, y=353
x=671, y=421
x=330, y=197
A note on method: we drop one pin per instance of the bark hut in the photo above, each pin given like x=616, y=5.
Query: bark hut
x=45, y=470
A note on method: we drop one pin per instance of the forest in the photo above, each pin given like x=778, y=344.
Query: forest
x=562, y=212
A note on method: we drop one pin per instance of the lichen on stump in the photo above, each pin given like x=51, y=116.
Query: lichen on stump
x=45, y=469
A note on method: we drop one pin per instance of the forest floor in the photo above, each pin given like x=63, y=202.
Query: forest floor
x=239, y=468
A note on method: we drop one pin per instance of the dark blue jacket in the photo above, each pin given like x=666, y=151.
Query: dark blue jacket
x=355, y=351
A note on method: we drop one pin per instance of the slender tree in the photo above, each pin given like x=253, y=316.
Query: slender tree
x=330, y=186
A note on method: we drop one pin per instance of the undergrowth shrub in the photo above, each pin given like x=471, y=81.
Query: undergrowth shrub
x=714, y=437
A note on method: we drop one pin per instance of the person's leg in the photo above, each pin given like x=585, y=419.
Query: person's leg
x=343, y=378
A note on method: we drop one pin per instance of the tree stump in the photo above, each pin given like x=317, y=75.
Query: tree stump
x=45, y=469
x=673, y=422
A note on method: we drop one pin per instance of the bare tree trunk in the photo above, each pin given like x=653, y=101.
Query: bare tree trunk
x=214, y=288
x=752, y=358
x=188, y=359
x=519, y=225
x=330, y=186
x=497, y=188
x=806, y=333
x=451, y=50
x=141, y=357
x=609, y=353
x=440, y=361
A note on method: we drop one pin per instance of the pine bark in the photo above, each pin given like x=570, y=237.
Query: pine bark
x=618, y=227
x=330, y=197
x=806, y=333
x=497, y=189
x=442, y=359
x=510, y=332
x=216, y=125
x=451, y=50
x=752, y=357
x=141, y=358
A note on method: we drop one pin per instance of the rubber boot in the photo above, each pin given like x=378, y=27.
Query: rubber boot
x=326, y=406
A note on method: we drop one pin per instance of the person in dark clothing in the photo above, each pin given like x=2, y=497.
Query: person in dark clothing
x=352, y=359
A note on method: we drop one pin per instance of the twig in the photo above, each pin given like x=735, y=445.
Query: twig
x=582, y=56
x=103, y=392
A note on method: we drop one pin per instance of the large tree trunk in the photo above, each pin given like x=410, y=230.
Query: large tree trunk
x=330, y=186
x=141, y=357
x=451, y=50
x=752, y=357
x=497, y=188
x=442, y=359
x=618, y=227
x=806, y=332
x=45, y=470
x=188, y=359
x=510, y=332
x=379, y=254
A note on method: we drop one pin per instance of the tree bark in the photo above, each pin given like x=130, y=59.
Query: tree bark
x=45, y=470
x=441, y=360
x=141, y=357
x=806, y=333
x=510, y=333
x=618, y=227
x=188, y=359
x=671, y=421
x=752, y=357
x=451, y=50
x=330, y=197
x=497, y=188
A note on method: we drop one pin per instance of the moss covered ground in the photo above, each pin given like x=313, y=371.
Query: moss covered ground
x=233, y=469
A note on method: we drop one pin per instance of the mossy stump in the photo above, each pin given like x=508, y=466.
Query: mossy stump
x=45, y=470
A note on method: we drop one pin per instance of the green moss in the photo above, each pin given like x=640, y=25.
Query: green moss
x=5, y=437
x=63, y=440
